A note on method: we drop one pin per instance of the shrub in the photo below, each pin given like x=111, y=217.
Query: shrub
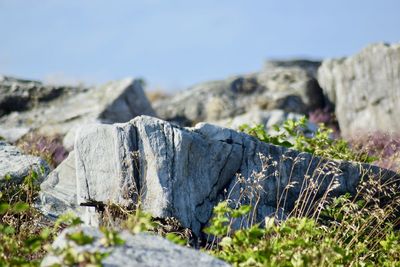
x=23, y=230
x=296, y=134
x=356, y=231
x=295, y=242
x=350, y=230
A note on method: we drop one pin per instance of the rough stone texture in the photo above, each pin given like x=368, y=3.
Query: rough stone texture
x=268, y=118
x=58, y=193
x=365, y=89
x=53, y=110
x=290, y=87
x=17, y=166
x=105, y=153
x=183, y=173
x=141, y=250
x=58, y=190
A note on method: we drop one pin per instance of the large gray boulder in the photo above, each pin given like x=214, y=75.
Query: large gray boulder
x=365, y=89
x=179, y=172
x=184, y=172
x=51, y=110
x=141, y=250
x=291, y=87
x=16, y=166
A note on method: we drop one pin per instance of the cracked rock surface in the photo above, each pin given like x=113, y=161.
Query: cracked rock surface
x=184, y=172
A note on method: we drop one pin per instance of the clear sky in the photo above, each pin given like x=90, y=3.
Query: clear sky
x=176, y=43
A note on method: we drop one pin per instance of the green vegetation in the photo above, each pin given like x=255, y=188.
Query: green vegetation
x=26, y=235
x=297, y=135
x=354, y=234
x=23, y=233
x=357, y=230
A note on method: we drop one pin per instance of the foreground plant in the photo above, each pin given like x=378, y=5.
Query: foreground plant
x=350, y=230
x=23, y=230
x=301, y=241
x=292, y=243
x=25, y=234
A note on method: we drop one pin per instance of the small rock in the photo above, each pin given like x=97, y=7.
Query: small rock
x=142, y=250
x=12, y=135
x=16, y=165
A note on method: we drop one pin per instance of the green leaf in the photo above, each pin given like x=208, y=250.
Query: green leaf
x=4, y=207
x=241, y=211
x=8, y=230
x=175, y=239
x=20, y=207
x=7, y=177
x=80, y=238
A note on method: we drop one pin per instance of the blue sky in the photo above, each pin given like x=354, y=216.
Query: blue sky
x=177, y=43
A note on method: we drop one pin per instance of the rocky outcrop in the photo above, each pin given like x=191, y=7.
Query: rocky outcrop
x=15, y=165
x=183, y=172
x=138, y=250
x=21, y=95
x=365, y=89
x=50, y=110
x=291, y=87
